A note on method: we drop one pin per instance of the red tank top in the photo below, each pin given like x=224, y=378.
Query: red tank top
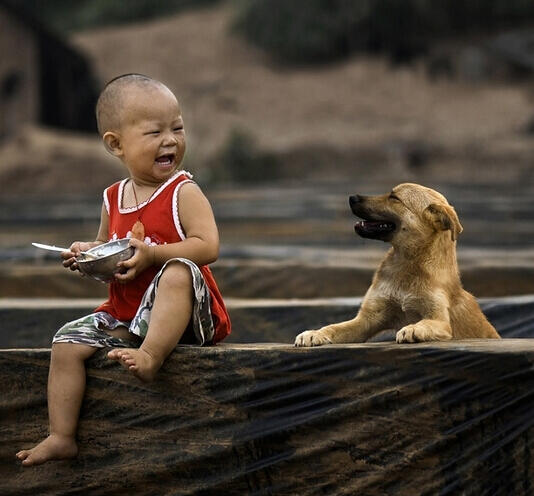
x=162, y=225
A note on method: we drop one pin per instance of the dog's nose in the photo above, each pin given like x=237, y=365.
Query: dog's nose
x=353, y=200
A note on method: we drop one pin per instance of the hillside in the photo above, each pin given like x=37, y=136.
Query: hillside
x=361, y=118
x=363, y=107
x=355, y=113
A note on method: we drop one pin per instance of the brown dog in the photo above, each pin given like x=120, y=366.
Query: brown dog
x=417, y=289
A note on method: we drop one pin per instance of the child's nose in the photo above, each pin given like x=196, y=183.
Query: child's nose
x=169, y=139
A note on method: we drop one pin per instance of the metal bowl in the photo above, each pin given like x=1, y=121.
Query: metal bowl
x=107, y=256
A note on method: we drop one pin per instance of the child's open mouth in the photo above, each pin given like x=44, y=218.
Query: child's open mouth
x=165, y=160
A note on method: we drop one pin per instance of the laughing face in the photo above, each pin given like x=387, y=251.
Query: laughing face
x=408, y=216
x=151, y=136
x=377, y=222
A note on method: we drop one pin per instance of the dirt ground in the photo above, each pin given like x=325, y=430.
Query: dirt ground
x=341, y=121
x=361, y=105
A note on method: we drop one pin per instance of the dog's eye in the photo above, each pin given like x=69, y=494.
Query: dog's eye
x=394, y=197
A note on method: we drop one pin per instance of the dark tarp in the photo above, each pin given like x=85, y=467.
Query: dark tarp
x=372, y=419
x=255, y=320
x=270, y=419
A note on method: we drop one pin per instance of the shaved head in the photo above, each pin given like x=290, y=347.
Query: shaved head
x=111, y=102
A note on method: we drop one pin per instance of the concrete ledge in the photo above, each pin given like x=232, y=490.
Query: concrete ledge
x=373, y=419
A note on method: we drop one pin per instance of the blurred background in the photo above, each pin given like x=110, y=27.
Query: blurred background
x=289, y=108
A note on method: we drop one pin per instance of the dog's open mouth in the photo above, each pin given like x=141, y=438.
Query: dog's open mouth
x=374, y=229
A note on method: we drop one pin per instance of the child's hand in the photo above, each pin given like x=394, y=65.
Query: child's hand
x=69, y=257
x=142, y=258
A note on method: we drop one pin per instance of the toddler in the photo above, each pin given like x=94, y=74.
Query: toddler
x=163, y=295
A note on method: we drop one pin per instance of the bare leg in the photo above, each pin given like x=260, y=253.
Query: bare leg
x=169, y=319
x=66, y=387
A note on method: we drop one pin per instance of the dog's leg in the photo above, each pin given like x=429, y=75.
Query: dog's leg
x=425, y=330
x=374, y=316
x=434, y=324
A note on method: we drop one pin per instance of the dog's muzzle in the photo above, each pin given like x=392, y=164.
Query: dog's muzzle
x=370, y=227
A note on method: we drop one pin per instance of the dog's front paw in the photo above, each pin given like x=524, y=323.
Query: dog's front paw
x=425, y=330
x=408, y=334
x=312, y=338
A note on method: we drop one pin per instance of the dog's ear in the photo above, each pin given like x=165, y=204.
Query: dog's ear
x=443, y=218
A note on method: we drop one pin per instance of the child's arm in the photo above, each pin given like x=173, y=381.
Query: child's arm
x=69, y=257
x=201, y=244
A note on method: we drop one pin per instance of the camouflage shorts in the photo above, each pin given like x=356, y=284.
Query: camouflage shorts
x=90, y=330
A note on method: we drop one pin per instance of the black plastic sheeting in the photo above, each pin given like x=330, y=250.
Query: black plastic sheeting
x=373, y=419
x=267, y=321
x=269, y=419
x=513, y=317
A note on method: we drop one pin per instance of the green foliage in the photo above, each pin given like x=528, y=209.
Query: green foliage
x=66, y=15
x=244, y=162
x=302, y=30
x=322, y=30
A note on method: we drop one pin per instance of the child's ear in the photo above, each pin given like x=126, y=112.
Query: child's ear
x=112, y=143
x=443, y=218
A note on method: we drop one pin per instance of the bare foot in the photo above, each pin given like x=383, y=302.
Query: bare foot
x=137, y=361
x=52, y=448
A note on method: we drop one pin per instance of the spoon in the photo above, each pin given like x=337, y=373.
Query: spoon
x=58, y=248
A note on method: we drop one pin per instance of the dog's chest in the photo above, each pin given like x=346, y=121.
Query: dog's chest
x=410, y=309
x=409, y=305
x=408, y=302
x=405, y=299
